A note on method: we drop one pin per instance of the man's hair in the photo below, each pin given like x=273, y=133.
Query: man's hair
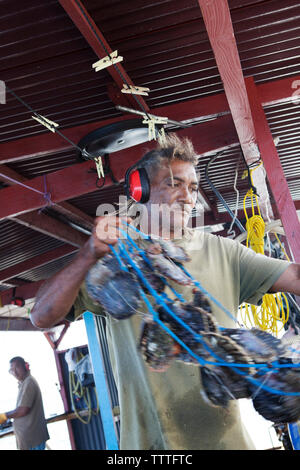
x=19, y=360
x=169, y=149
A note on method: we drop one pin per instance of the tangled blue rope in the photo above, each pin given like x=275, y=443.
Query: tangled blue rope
x=124, y=258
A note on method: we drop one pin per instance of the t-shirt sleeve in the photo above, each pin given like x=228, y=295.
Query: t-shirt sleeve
x=257, y=274
x=28, y=394
x=83, y=303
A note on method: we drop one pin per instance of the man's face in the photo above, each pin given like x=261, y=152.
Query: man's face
x=17, y=370
x=173, y=195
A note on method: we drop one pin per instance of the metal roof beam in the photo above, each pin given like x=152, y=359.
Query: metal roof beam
x=274, y=92
x=76, y=180
x=26, y=291
x=276, y=177
x=11, y=177
x=35, y=262
x=100, y=46
x=217, y=19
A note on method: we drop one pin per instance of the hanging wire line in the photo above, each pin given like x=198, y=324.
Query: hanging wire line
x=108, y=54
x=123, y=257
x=41, y=117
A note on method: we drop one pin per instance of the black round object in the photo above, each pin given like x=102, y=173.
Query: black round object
x=112, y=138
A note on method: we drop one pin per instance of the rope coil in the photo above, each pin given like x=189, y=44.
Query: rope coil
x=272, y=310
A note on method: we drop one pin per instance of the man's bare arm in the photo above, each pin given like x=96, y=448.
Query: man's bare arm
x=289, y=281
x=56, y=297
x=19, y=412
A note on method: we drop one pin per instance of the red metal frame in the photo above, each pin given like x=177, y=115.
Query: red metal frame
x=47, y=143
x=91, y=33
x=275, y=174
x=36, y=261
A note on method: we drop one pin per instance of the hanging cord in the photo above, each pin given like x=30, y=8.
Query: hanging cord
x=271, y=311
x=219, y=196
x=78, y=391
x=230, y=232
x=45, y=194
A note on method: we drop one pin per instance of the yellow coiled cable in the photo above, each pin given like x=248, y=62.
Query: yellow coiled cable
x=271, y=312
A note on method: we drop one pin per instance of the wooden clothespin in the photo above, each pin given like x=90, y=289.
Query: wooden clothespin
x=51, y=125
x=152, y=121
x=110, y=59
x=99, y=167
x=135, y=90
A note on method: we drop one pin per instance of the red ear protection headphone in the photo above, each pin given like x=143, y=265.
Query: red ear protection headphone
x=137, y=184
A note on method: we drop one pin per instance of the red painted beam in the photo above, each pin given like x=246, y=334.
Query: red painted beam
x=52, y=228
x=74, y=214
x=35, y=262
x=217, y=19
x=26, y=291
x=30, y=147
x=97, y=41
x=75, y=180
x=274, y=170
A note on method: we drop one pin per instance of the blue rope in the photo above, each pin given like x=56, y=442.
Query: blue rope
x=159, y=299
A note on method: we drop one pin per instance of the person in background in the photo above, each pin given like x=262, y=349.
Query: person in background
x=29, y=424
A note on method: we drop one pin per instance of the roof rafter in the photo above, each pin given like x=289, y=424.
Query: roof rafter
x=217, y=19
x=36, y=261
x=90, y=31
x=76, y=180
x=212, y=106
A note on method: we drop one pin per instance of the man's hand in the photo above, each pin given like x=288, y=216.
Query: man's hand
x=56, y=297
x=3, y=418
x=106, y=232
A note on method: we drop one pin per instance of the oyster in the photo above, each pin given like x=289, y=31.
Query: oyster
x=276, y=407
x=117, y=290
x=260, y=345
x=157, y=347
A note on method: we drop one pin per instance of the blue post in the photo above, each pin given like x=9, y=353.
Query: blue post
x=100, y=382
x=294, y=435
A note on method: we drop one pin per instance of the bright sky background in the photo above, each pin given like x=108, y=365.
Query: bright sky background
x=36, y=350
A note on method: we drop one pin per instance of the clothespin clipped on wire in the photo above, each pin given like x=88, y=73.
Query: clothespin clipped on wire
x=152, y=121
x=99, y=167
x=51, y=125
x=107, y=61
x=135, y=90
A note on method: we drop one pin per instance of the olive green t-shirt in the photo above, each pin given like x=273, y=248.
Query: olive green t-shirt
x=165, y=410
x=30, y=430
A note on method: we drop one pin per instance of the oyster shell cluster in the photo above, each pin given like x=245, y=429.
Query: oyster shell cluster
x=234, y=362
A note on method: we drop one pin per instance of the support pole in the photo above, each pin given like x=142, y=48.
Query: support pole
x=277, y=180
x=101, y=382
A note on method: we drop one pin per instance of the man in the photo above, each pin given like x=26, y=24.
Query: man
x=30, y=426
x=166, y=410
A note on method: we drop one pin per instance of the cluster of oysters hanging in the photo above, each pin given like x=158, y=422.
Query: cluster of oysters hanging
x=119, y=293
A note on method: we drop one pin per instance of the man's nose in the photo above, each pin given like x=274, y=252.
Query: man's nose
x=186, y=195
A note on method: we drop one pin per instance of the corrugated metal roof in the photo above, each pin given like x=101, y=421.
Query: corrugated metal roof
x=48, y=63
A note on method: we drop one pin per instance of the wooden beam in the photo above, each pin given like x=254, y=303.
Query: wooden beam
x=217, y=19
x=26, y=148
x=90, y=31
x=36, y=261
x=16, y=324
x=277, y=180
x=11, y=177
x=76, y=180
x=53, y=228
x=26, y=291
